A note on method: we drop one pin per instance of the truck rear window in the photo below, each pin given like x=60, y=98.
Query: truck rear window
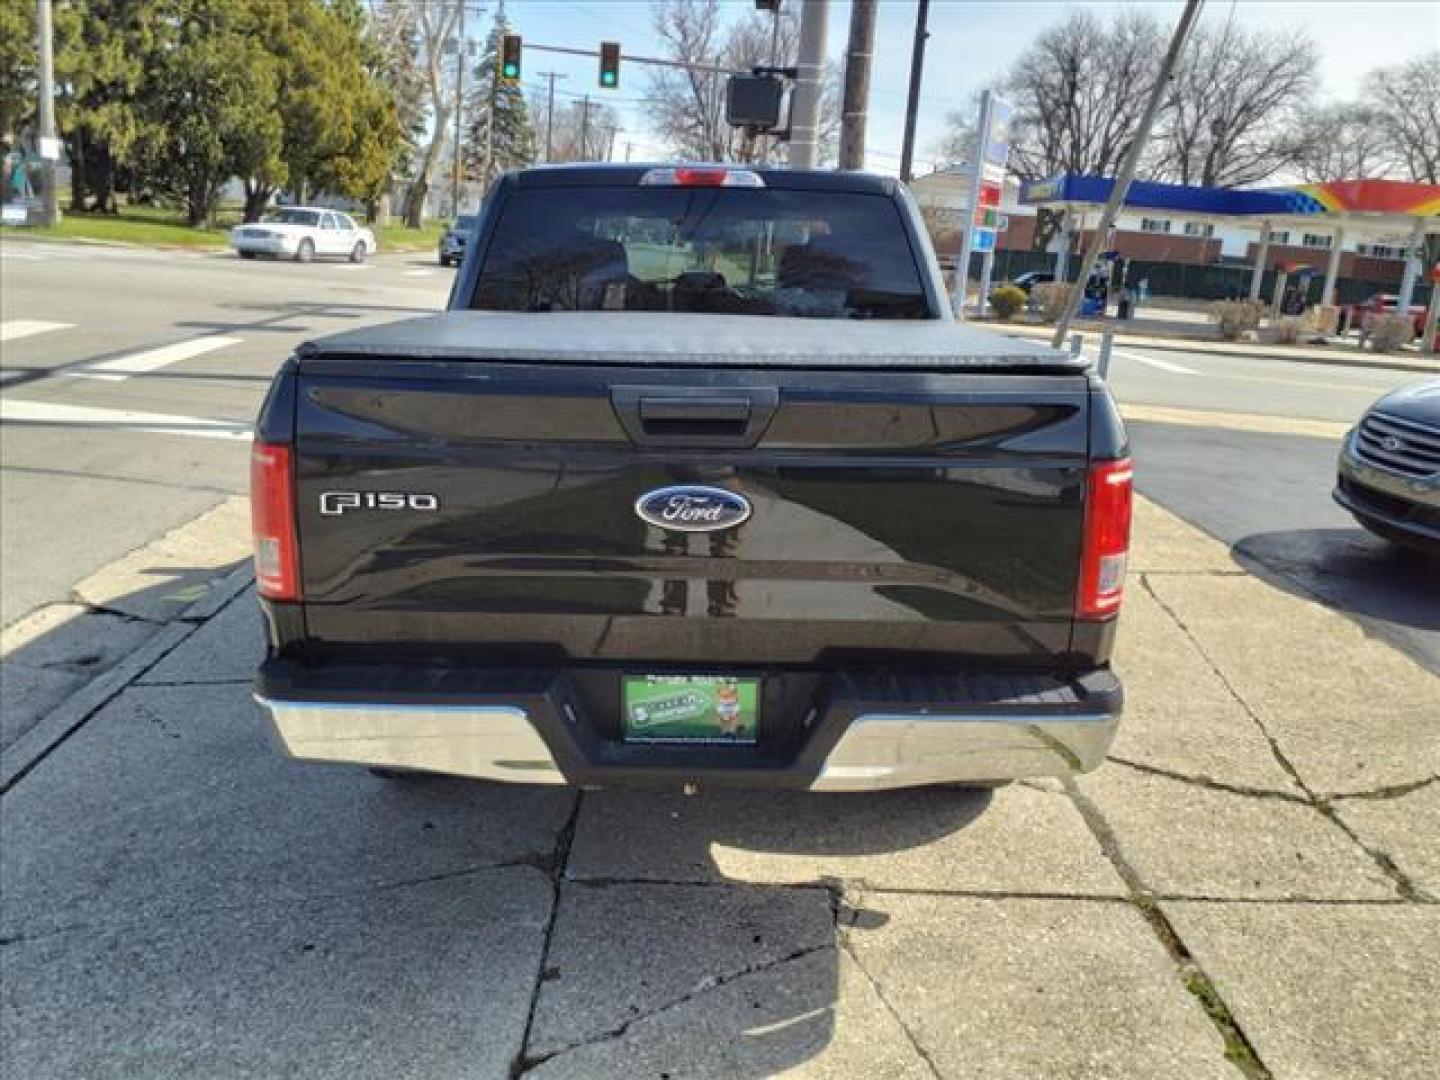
x=831, y=255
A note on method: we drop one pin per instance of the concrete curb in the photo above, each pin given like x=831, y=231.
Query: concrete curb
x=31, y=748
x=209, y=533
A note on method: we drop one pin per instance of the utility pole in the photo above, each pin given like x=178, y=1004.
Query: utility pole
x=805, y=99
x=49, y=144
x=1138, y=140
x=912, y=103
x=490, y=128
x=459, y=108
x=550, y=113
x=857, y=83
x=584, y=127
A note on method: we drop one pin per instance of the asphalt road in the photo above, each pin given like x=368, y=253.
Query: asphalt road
x=129, y=380
x=130, y=377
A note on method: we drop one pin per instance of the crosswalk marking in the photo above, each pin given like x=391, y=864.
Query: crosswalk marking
x=1163, y=365
x=122, y=367
x=48, y=412
x=15, y=329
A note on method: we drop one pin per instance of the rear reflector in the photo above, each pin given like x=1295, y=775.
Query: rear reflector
x=1107, y=540
x=272, y=520
x=693, y=176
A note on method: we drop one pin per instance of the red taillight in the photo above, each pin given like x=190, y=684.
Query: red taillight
x=1107, y=540
x=272, y=520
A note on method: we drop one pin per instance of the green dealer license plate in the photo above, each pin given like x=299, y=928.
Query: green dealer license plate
x=690, y=708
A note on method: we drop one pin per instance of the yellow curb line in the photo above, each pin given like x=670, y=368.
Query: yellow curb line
x=1275, y=425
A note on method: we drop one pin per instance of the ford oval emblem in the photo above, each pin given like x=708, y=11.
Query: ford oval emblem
x=692, y=508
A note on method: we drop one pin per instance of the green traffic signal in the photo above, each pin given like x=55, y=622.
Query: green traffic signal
x=609, y=64
x=510, y=46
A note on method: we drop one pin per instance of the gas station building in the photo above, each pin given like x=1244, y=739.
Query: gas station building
x=1372, y=229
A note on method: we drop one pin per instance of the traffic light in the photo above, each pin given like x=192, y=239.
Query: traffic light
x=609, y=65
x=510, y=57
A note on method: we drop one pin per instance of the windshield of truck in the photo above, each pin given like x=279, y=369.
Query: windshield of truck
x=821, y=254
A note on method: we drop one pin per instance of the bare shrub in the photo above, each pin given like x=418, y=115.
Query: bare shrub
x=1049, y=297
x=1389, y=332
x=1236, y=317
x=1288, y=331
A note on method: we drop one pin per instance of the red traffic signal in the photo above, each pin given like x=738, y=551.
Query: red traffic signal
x=609, y=65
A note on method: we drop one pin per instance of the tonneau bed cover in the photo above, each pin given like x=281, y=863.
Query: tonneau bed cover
x=692, y=340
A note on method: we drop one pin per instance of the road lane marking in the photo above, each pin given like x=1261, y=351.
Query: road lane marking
x=122, y=367
x=15, y=329
x=418, y=273
x=1163, y=365
x=53, y=413
x=1270, y=425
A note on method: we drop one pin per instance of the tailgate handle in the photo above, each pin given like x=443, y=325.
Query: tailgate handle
x=694, y=416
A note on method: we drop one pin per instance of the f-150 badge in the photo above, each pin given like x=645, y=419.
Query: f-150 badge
x=692, y=508
x=335, y=503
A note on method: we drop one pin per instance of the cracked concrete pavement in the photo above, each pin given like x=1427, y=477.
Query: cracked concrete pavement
x=1249, y=888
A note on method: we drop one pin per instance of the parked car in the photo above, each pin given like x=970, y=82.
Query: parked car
x=301, y=233
x=661, y=500
x=1382, y=304
x=1031, y=278
x=1390, y=467
x=452, y=241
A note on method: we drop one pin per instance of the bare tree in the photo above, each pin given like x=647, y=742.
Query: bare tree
x=689, y=104
x=1346, y=141
x=1078, y=93
x=1407, y=100
x=1231, y=113
x=571, y=125
x=688, y=107
x=436, y=24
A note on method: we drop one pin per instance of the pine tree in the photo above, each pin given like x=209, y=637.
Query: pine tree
x=513, y=146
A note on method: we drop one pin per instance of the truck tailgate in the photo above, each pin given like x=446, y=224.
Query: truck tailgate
x=485, y=511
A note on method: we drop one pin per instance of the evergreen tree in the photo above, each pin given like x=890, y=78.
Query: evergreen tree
x=513, y=145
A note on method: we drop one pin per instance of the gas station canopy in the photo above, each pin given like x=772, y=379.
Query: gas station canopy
x=1384, y=206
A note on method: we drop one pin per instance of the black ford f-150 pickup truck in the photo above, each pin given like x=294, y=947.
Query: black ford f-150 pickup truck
x=696, y=482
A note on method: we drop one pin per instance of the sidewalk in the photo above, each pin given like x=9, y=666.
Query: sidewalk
x=1247, y=889
x=1348, y=354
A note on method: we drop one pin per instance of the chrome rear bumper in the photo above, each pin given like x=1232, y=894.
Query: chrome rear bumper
x=876, y=751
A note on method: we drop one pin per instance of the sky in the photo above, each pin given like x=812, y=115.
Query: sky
x=971, y=42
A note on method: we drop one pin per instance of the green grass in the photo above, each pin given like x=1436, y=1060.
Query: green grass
x=396, y=237
x=151, y=226
x=145, y=225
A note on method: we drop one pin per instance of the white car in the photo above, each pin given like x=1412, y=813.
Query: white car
x=301, y=233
